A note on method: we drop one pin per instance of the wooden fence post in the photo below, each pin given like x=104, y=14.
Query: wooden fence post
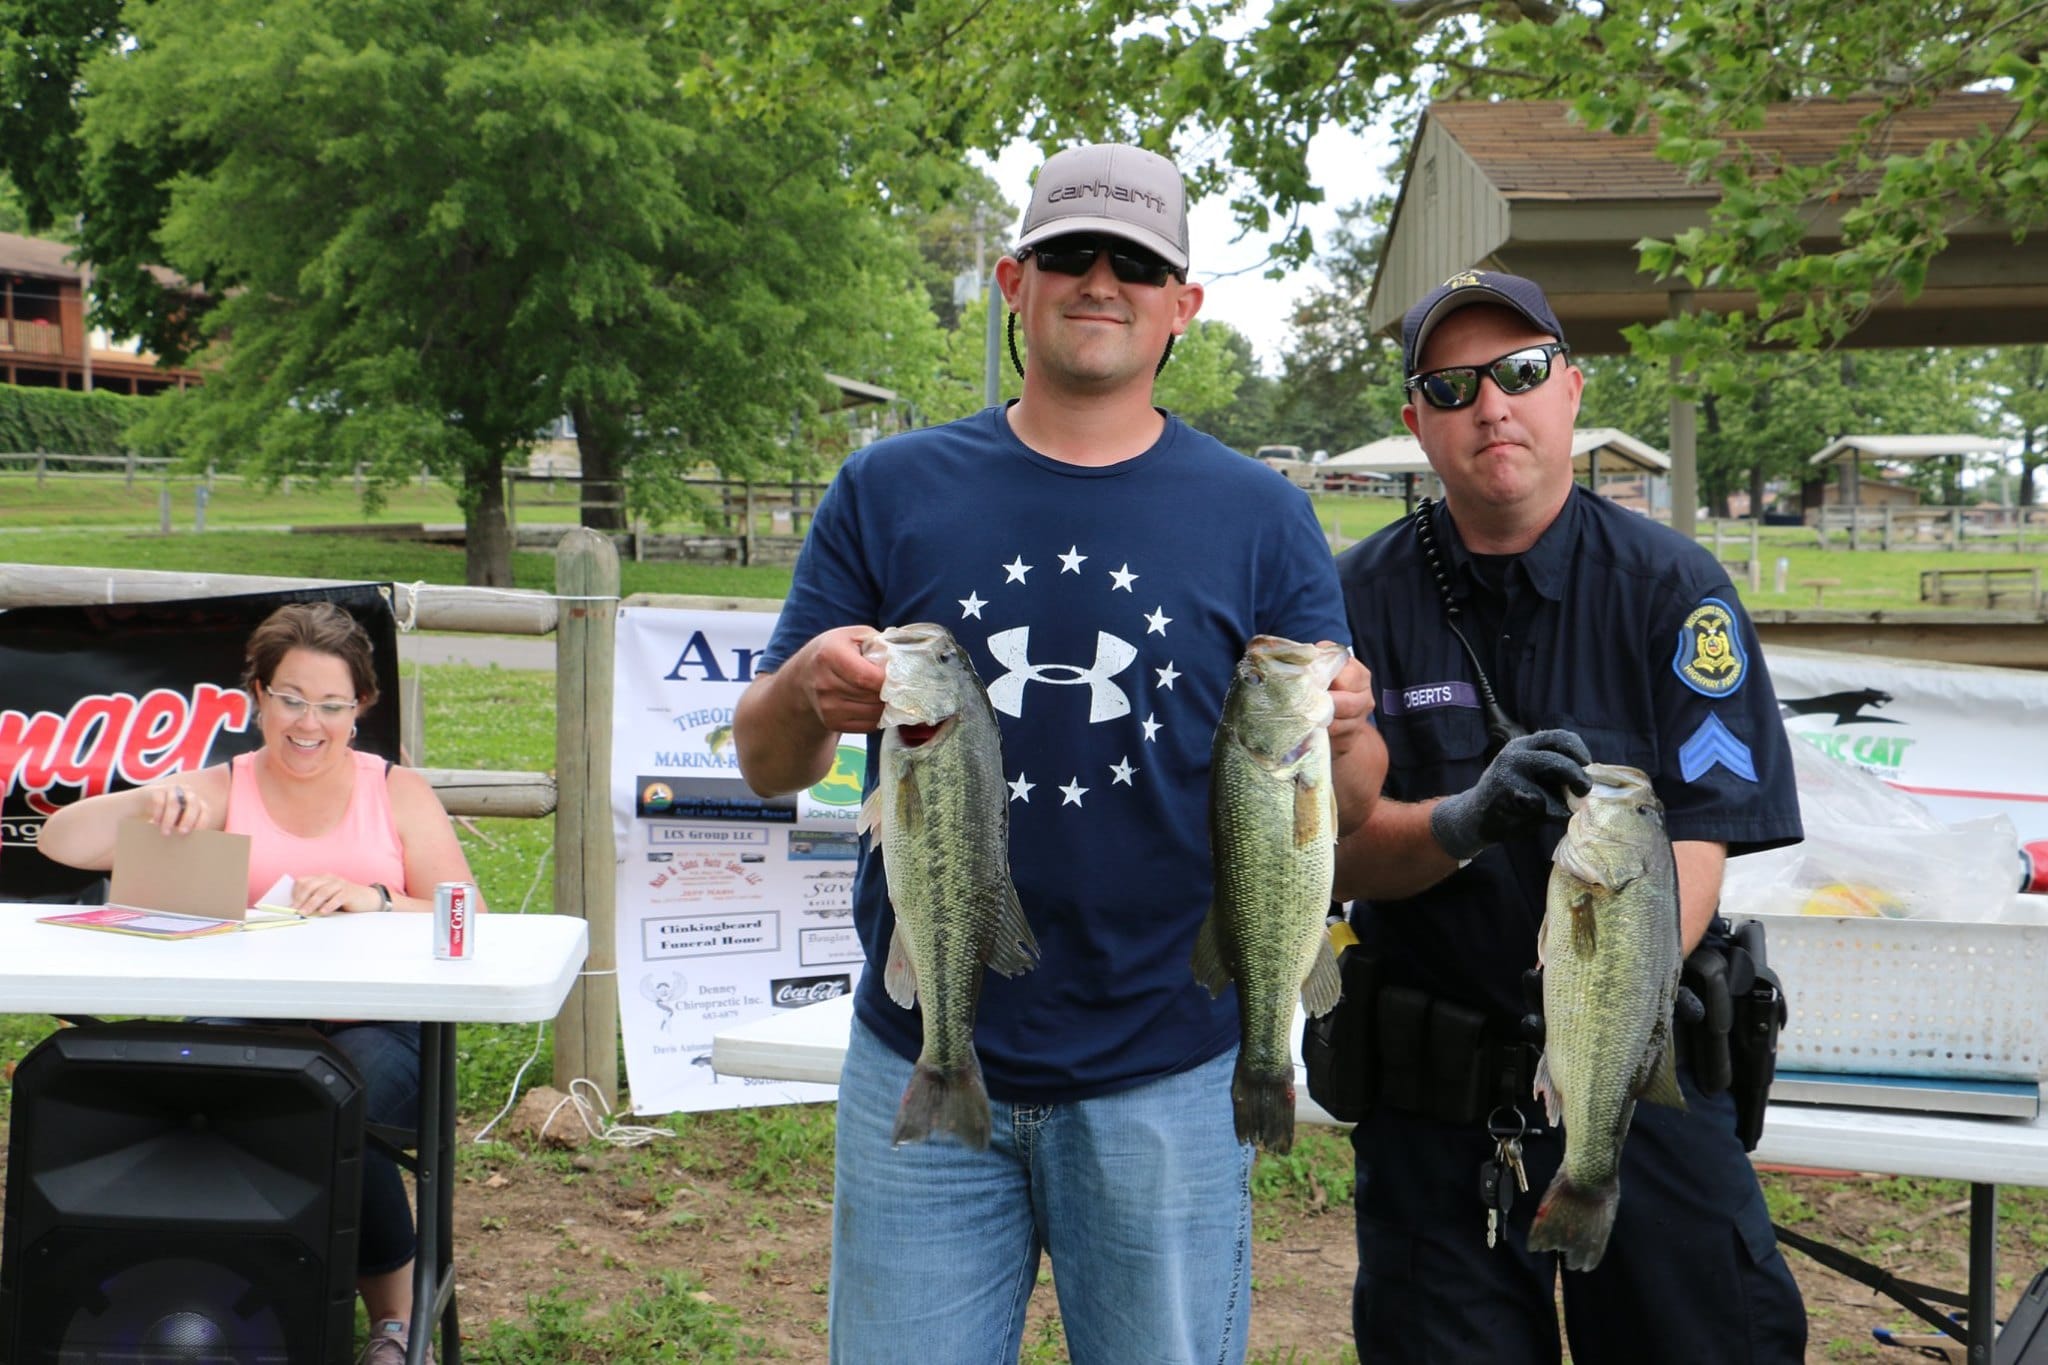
x=586, y=871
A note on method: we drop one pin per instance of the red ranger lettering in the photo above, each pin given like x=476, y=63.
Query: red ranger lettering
x=114, y=735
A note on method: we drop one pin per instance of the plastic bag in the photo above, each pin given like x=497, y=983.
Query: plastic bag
x=1871, y=849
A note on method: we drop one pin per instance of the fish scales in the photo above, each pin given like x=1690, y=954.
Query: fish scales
x=1610, y=946
x=1272, y=831
x=940, y=814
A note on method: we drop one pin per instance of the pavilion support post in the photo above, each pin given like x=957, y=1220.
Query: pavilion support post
x=1685, y=469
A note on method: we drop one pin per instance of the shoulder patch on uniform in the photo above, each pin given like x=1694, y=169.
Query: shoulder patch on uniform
x=1714, y=743
x=1710, y=659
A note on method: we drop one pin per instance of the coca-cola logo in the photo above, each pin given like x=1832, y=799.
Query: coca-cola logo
x=114, y=735
x=790, y=992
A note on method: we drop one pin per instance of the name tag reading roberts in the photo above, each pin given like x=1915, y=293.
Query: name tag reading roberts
x=1400, y=701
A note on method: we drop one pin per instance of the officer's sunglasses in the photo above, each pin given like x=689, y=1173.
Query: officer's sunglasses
x=1458, y=386
x=1076, y=256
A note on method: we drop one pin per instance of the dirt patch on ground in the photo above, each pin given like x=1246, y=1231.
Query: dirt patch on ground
x=603, y=1223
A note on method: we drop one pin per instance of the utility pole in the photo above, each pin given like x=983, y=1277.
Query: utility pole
x=991, y=370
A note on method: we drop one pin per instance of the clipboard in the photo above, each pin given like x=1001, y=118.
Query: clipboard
x=176, y=886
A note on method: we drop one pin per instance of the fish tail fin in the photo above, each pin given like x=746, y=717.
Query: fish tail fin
x=1264, y=1106
x=944, y=1100
x=1575, y=1220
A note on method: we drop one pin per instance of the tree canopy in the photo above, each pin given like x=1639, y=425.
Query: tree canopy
x=426, y=228
x=1700, y=72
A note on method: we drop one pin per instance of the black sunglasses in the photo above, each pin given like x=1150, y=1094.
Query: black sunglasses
x=1458, y=386
x=1076, y=256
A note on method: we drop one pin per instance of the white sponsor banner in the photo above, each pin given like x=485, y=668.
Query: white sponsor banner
x=730, y=906
x=1967, y=741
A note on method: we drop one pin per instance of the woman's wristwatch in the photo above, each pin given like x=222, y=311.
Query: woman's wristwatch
x=383, y=895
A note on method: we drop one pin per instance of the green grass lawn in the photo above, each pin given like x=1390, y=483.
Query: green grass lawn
x=496, y=719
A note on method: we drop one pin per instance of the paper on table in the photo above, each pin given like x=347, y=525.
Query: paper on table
x=278, y=897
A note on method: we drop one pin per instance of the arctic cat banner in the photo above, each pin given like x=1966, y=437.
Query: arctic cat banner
x=1967, y=741
x=102, y=698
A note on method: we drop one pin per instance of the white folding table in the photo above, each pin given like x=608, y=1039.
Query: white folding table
x=341, y=967
x=808, y=1044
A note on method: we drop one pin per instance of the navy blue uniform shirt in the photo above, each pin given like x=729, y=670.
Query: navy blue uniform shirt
x=1611, y=626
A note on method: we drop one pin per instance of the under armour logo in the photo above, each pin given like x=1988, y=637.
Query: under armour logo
x=1012, y=649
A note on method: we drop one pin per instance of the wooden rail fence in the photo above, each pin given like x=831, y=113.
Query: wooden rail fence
x=579, y=614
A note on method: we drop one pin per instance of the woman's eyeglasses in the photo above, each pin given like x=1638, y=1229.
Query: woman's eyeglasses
x=1458, y=386
x=291, y=707
x=1076, y=256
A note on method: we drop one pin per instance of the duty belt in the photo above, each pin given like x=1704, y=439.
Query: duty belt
x=1443, y=1060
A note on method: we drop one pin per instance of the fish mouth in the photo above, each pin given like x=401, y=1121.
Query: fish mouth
x=1277, y=657
x=917, y=734
x=1610, y=782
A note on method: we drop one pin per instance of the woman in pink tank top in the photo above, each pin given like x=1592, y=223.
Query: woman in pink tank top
x=355, y=835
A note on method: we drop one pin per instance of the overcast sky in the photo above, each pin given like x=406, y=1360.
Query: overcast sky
x=1344, y=165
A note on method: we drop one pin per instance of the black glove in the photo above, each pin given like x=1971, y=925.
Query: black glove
x=1522, y=787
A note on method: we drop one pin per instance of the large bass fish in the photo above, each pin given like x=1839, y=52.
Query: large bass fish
x=940, y=815
x=1272, y=839
x=1611, y=960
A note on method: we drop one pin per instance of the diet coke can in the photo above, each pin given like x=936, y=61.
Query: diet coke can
x=2034, y=868
x=455, y=920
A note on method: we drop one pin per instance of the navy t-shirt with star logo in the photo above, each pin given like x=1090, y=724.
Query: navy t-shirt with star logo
x=1105, y=609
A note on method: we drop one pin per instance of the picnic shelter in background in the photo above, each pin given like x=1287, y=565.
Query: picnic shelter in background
x=1519, y=186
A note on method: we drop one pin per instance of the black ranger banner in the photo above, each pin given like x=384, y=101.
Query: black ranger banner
x=102, y=698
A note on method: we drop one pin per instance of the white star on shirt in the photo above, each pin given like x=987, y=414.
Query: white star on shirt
x=1072, y=793
x=971, y=605
x=1166, y=676
x=1121, y=579
x=1070, y=562
x=1157, y=621
x=1020, y=790
x=1016, y=569
x=1123, y=771
x=1151, y=728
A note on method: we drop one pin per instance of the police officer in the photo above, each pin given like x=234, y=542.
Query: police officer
x=1588, y=633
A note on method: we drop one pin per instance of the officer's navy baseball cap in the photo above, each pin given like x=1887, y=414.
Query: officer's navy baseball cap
x=1118, y=191
x=1464, y=289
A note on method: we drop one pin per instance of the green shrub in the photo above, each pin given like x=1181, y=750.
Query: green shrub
x=60, y=422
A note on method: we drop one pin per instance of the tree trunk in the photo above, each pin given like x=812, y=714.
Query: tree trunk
x=488, y=540
x=601, y=444
x=1717, y=483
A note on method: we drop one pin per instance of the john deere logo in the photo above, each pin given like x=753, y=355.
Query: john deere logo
x=842, y=785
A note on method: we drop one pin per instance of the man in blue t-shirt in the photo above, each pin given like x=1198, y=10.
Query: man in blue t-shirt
x=1104, y=566
x=1614, y=640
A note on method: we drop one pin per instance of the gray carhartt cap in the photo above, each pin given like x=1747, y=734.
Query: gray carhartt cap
x=1115, y=190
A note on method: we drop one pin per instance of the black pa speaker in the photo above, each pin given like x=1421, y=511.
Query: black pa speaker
x=182, y=1194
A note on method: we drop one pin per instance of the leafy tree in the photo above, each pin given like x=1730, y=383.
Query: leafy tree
x=2018, y=378
x=962, y=233
x=1702, y=70
x=1249, y=419
x=13, y=218
x=431, y=226
x=1769, y=432
x=44, y=46
x=1340, y=386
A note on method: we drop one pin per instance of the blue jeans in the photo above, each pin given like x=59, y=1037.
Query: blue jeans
x=1141, y=1198
x=387, y=1057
